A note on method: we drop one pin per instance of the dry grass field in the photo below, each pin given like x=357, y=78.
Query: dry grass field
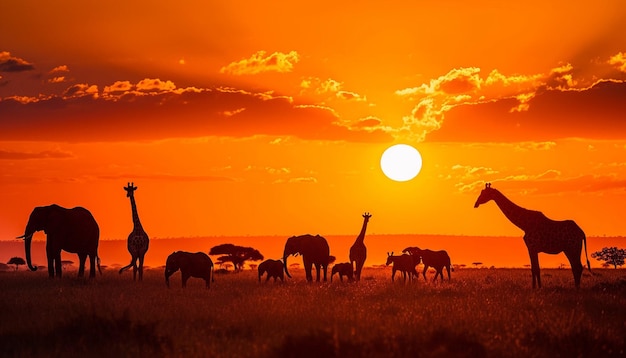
x=480, y=313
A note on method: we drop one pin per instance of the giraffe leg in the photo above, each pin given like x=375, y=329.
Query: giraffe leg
x=141, y=268
x=534, y=267
x=359, y=267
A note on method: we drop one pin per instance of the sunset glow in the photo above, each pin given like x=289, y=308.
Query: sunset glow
x=270, y=118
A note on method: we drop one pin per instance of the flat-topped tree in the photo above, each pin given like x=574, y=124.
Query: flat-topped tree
x=238, y=255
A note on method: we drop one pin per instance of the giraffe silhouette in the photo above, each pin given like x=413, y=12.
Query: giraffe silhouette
x=138, y=239
x=358, y=251
x=541, y=234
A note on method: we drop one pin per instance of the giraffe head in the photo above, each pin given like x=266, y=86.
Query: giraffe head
x=130, y=188
x=367, y=216
x=485, y=195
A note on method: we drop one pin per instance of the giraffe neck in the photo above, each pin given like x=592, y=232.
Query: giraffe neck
x=133, y=205
x=361, y=237
x=520, y=217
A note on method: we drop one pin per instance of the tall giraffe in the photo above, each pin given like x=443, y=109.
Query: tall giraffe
x=358, y=251
x=138, y=239
x=541, y=234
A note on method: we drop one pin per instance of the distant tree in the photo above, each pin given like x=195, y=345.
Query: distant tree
x=238, y=255
x=477, y=263
x=17, y=261
x=612, y=256
x=66, y=263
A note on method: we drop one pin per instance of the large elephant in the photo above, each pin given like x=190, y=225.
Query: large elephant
x=274, y=268
x=73, y=230
x=190, y=264
x=314, y=251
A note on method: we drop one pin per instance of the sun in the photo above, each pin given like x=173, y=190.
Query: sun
x=401, y=162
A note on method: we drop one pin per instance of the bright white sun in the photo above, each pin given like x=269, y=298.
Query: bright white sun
x=401, y=162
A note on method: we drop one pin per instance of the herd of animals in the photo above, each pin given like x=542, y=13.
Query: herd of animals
x=76, y=231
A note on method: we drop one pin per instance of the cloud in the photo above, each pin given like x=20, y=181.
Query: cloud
x=619, y=61
x=160, y=110
x=58, y=69
x=167, y=177
x=350, y=96
x=592, y=113
x=261, y=62
x=9, y=63
x=566, y=101
x=550, y=183
x=47, y=154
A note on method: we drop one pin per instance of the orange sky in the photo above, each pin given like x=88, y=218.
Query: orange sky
x=269, y=118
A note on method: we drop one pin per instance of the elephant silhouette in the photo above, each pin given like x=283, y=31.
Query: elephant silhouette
x=314, y=251
x=273, y=268
x=343, y=269
x=73, y=230
x=190, y=264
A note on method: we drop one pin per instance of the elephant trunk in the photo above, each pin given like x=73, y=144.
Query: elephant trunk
x=28, y=238
x=285, y=264
x=260, y=274
x=168, y=273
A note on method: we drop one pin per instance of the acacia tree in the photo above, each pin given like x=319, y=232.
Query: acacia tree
x=611, y=255
x=17, y=261
x=238, y=255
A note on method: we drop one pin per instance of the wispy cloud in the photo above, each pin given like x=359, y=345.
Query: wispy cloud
x=10, y=63
x=46, y=154
x=263, y=62
x=153, y=109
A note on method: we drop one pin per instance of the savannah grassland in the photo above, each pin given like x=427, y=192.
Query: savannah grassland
x=480, y=313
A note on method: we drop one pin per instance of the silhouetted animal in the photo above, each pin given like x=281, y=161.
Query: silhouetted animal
x=403, y=263
x=541, y=234
x=138, y=239
x=314, y=251
x=73, y=230
x=436, y=259
x=190, y=264
x=358, y=251
x=274, y=268
x=343, y=269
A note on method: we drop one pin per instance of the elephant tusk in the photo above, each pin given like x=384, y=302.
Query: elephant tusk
x=24, y=236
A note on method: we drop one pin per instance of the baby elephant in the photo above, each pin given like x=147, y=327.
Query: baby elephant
x=343, y=269
x=190, y=264
x=274, y=268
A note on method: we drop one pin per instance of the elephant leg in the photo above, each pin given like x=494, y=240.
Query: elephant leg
x=58, y=266
x=424, y=272
x=92, y=266
x=534, y=267
x=577, y=267
x=51, y=255
x=82, y=258
x=307, y=269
